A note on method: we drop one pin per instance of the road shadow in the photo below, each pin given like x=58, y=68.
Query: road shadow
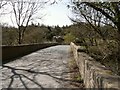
x=21, y=76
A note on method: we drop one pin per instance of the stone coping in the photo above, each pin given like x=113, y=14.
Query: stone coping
x=94, y=74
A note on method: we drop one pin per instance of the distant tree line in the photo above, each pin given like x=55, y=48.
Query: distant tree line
x=34, y=34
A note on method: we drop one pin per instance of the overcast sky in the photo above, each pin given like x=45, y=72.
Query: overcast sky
x=56, y=14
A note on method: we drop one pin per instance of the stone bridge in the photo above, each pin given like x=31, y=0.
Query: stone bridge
x=45, y=68
x=49, y=68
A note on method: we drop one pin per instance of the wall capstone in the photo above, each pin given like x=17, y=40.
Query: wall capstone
x=94, y=74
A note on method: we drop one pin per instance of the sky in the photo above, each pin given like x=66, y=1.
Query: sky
x=55, y=14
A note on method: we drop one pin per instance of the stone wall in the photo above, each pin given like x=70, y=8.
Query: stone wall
x=11, y=52
x=94, y=74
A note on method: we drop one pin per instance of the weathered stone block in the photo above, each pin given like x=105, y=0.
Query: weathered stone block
x=94, y=74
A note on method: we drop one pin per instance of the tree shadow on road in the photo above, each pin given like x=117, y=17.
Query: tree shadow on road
x=21, y=76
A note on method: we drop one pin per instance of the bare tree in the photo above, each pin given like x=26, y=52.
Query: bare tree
x=100, y=13
x=2, y=3
x=25, y=11
x=111, y=11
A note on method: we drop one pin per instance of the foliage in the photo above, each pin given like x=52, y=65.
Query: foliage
x=34, y=34
x=69, y=38
x=9, y=36
x=37, y=35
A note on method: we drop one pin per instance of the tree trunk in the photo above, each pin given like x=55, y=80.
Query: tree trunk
x=19, y=36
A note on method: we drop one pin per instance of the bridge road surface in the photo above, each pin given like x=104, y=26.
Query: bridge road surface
x=46, y=68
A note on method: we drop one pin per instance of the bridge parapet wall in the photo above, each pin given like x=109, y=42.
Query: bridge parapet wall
x=94, y=74
x=11, y=52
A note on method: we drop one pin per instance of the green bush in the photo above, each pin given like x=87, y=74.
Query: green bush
x=69, y=38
